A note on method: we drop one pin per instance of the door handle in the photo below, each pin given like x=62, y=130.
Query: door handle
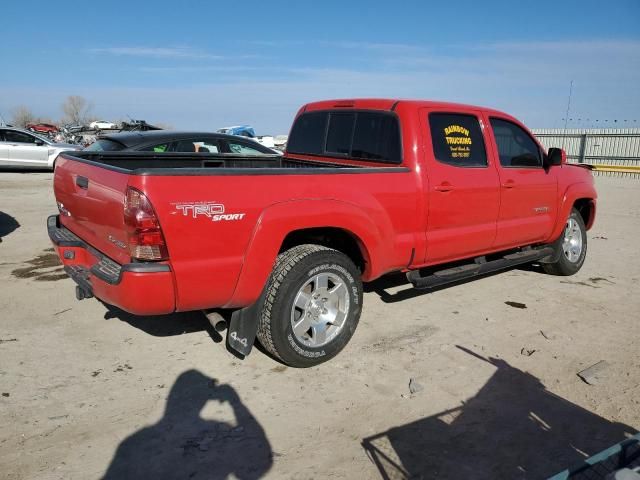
x=509, y=184
x=82, y=182
x=444, y=187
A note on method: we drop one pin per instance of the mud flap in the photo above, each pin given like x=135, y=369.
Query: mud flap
x=243, y=327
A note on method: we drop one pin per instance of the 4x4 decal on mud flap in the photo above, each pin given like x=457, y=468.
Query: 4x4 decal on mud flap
x=236, y=338
x=212, y=210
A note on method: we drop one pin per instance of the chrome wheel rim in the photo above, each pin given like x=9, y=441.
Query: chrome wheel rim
x=572, y=243
x=320, y=309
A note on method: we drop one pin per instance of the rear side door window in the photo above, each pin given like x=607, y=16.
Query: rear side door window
x=515, y=146
x=206, y=146
x=183, y=146
x=159, y=148
x=240, y=147
x=457, y=139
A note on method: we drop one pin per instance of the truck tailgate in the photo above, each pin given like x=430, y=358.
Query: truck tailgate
x=91, y=204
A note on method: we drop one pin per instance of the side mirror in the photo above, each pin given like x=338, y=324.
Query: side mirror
x=39, y=143
x=555, y=157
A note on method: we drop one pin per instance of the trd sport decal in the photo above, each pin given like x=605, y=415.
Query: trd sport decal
x=214, y=211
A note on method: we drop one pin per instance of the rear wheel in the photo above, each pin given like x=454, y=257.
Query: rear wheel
x=312, y=305
x=571, y=247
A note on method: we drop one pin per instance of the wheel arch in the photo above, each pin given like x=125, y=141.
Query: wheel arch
x=586, y=208
x=332, y=237
x=581, y=196
x=330, y=223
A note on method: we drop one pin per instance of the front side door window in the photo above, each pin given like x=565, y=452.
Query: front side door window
x=515, y=147
x=12, y=136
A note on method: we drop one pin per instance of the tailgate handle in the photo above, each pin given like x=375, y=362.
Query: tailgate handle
x=82, y=182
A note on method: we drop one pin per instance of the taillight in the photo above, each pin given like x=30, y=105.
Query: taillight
x=146, y=241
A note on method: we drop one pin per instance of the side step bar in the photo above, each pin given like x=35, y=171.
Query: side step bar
x=480, y=267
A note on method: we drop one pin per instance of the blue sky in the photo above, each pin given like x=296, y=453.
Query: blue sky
x=204, y=65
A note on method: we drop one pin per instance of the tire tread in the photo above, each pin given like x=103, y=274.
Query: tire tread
x=562, y=267
x=284, y=263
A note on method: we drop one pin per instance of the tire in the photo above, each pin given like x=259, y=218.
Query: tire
x=310, y=286
x=570, y=248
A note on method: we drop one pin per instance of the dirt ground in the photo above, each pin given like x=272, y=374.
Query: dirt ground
x=90, y=392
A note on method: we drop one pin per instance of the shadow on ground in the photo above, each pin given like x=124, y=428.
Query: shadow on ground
x=513, y=428
x=7, y=225
x=184, y=445
x=165, y=325
x=179, y=324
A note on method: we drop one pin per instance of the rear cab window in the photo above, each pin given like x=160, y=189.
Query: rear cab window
x=457, y=139
x=340, y=133
x=357, y=135
x=105, y=145
x=308, y=133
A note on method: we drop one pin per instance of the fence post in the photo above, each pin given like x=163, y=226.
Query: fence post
x=583, y=147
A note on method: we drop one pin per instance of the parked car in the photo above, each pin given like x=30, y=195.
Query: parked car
x=42, y=128
x=248, y=131
x=239, y=130
x=174, y=142
x=102, y=125
x=441, y=191
x=20, y=148
x=137, y=126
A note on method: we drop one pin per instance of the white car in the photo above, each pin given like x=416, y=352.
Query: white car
x=102, y=125
x=19, y=148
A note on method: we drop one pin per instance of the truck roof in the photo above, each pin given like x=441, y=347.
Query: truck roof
x=390, y=104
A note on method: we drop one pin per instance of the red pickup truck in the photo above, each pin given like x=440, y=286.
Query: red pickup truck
x=440, y=191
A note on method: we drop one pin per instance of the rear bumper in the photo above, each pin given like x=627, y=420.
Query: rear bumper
x=138, y=288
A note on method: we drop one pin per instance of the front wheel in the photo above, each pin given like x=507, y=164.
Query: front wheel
x=312, y=304
x=571, y=247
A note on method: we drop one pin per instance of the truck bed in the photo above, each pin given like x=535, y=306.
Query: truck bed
x=148, y=163
x=262, y=199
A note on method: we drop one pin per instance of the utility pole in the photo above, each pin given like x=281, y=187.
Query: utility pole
x=566, y=115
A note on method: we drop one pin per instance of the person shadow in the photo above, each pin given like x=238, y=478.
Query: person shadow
x=7, y=224
x=184, y=445
x=512, y=428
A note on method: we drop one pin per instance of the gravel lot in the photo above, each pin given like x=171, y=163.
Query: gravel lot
x=88, y=391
